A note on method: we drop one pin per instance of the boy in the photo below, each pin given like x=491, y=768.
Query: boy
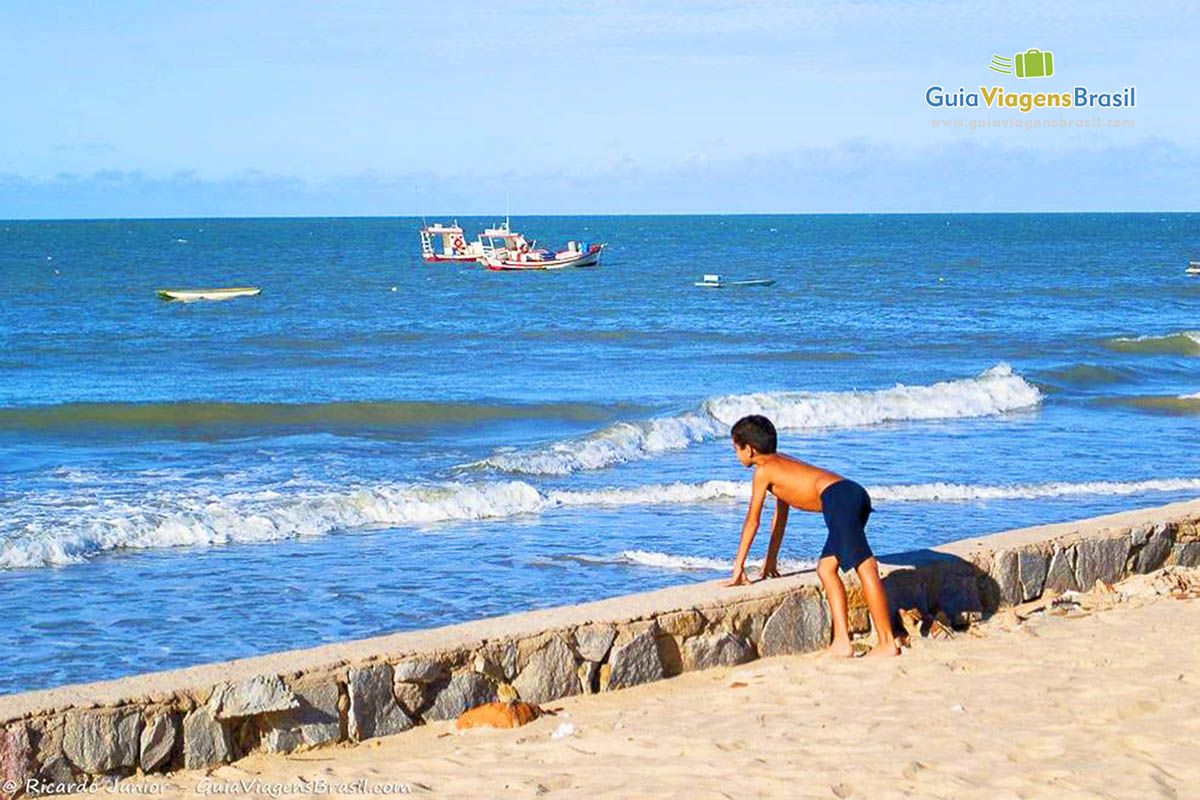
x=846, y=507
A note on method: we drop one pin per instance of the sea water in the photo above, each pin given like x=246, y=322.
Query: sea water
x=377, y=444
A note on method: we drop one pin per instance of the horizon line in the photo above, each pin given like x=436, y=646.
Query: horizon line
x=598, y=214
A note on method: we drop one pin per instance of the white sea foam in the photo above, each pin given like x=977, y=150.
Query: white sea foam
x=708, y=491
x=657, y=560
x=995, y=391
x=959, y=493
x=1195, y=396
x=48, y=529
x=615, y=444
x=65, y=530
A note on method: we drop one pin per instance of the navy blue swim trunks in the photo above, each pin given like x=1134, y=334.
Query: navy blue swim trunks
x=846, y=507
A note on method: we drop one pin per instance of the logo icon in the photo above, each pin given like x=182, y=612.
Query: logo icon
x=1033, y=63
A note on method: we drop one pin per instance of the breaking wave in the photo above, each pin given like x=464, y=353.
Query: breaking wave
x=994, y=391
x=52, y=530
x=49, y=529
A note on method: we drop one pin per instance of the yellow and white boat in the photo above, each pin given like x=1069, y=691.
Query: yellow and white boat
x=192, y=295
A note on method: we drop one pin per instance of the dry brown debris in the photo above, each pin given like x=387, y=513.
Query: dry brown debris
x=511, y=714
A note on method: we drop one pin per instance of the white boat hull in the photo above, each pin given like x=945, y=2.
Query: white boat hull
x=589, y=258
x=192, y=295
x=735, y=284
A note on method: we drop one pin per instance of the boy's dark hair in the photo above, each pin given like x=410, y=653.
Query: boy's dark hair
x=756, y=431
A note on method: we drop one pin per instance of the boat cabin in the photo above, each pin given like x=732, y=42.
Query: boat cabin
x=454, y=246
x=501, y=240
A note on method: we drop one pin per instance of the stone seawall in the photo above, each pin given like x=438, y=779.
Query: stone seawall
x=212, y=714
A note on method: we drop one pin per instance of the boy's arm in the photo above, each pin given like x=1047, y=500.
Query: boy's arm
x=758, y=493
x=778, y=525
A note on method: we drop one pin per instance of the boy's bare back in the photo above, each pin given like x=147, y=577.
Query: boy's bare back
x=795, y=482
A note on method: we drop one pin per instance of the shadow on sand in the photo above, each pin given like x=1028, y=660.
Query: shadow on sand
x=936, y=583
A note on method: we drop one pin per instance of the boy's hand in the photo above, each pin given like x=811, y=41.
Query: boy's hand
x=768, y=571
x=738, y=579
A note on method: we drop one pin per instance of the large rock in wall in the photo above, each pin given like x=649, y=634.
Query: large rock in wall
x=206, y=741
x=721, y=649
x=46, y=735
x=315, y=720
x=1060, y=575
x=1005, y=572
x=459, y=692
x=1032, y=568
x=1153, y=553
x=258, y=695
x=634, y=660
x=16, y=757
x=593, y=642
x=103, y=741
x=1185, y=554
x=1101, y=559
x=373, y=709
x=799, y=625
x=550, y=672
x=158, y=740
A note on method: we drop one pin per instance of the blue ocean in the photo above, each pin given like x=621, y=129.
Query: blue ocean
x=376, y=443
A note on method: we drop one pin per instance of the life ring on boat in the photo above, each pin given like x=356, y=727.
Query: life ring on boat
x=457, y=243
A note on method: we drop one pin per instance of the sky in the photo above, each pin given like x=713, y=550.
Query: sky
x=269, y=108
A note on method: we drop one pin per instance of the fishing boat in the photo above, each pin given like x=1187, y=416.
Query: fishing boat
x=715, y=282
x=192, y=295
x=454, y=246
x=1193, y=268
x=576, y=254
x=504, y=249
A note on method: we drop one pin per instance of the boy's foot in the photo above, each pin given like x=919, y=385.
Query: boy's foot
x=838, y=650
x=885, y=650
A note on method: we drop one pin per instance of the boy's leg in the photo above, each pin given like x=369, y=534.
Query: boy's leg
x=877, y=606
x=835, y=593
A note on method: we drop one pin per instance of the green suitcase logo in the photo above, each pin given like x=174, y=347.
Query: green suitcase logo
x=1033, y=63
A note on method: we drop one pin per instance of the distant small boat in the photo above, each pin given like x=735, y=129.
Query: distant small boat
x=191, y=295
x=715, y=282
x=1193, y=268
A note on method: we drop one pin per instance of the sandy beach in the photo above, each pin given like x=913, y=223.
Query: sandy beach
x=1098, y=702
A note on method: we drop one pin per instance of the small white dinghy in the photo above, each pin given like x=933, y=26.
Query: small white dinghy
x=715, y=282
x=1193, y=268
x=192, y=295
